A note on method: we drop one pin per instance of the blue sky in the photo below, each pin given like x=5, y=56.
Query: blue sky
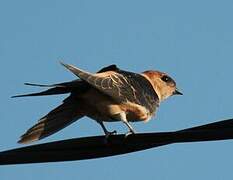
x=190, y=40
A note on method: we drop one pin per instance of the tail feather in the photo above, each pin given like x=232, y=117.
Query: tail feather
x=43, y=85
x=54, y=121
x=54, y=89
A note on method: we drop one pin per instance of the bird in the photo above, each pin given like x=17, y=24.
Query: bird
x=109, y=95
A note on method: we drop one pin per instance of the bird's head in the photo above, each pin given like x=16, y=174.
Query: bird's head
x=163, y=84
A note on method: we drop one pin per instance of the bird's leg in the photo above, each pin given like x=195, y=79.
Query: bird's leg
x=107, y=133
x=122, y=117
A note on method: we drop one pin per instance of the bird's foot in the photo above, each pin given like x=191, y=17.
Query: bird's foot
x=129, y=133
x=110, y=133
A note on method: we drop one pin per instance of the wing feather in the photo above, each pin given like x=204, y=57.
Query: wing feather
x=121, y=85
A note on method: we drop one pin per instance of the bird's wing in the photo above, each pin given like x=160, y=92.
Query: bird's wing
x=57, y=119
x=121, y=85
x=112, y=67
x=76, y=86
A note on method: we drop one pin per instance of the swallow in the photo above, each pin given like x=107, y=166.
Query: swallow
x=109, y=95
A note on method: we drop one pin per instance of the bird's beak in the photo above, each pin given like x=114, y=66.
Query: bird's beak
x=177, y=92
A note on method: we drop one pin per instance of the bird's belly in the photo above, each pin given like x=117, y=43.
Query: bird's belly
x=139, y=116
x=108, y=111
x=103, y=108
x=134, y=113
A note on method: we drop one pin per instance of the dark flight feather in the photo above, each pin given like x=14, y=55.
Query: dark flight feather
x=57, y=119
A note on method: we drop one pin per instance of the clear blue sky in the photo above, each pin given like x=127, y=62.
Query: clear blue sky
x=191, y=40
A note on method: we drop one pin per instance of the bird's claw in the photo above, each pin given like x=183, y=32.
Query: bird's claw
x=129, y=133
x=110, y=133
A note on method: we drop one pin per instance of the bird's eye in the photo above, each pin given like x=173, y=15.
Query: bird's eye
x=166, y=78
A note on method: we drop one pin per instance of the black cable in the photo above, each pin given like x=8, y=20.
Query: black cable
x=98, y=146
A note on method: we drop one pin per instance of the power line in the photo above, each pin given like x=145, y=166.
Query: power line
x=99, y=146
